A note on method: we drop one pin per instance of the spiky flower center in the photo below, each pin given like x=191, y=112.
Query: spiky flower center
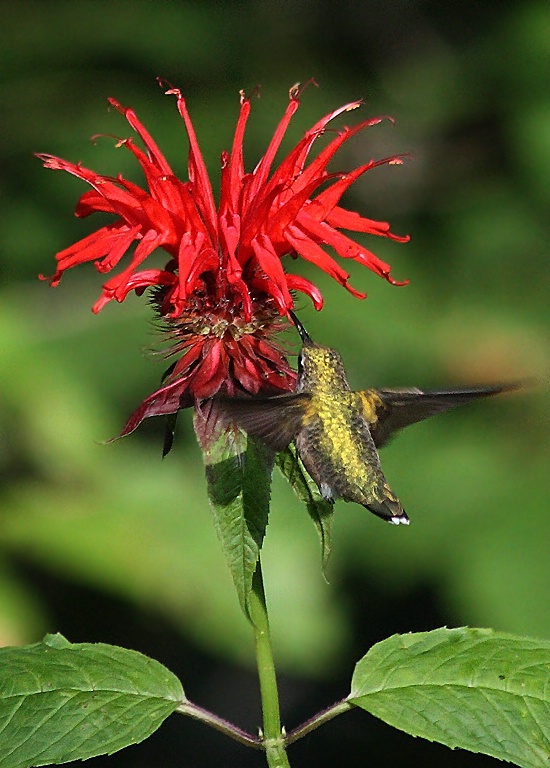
x=223, y=322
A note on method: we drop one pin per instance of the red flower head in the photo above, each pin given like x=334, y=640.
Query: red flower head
x=223, y=293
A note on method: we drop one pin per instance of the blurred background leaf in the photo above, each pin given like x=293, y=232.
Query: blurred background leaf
x=109, y=543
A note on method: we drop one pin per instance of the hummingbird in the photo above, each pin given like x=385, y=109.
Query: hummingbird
x=337, y=431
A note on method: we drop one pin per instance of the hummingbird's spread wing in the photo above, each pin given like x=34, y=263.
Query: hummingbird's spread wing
x=389, y=410
x=276, y=420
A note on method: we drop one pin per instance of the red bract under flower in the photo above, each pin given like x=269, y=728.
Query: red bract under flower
x=219, y=352
x=224, y=287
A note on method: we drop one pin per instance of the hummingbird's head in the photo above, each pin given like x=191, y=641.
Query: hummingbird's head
x=320, y=368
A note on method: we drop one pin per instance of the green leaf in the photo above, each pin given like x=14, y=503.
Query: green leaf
x=61, y=701
x=476, y=689
x=320, y=510
x=238, y=472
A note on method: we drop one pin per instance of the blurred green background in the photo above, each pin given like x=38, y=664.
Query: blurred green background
x=109, y=542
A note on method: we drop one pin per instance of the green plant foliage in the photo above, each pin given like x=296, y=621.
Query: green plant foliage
x=474, y=198
x=61, y=701
x=476, y=689
x=320, y=510
x=238, y=472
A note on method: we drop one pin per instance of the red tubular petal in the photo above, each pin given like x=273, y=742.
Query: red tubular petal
x=230, y=233
x=261, y=172
x=148, y=277
x=94, y=246
x=235, y=163
x=92, y=202
x=119, y=289
x=399, y=283
x=154, y=152
x=347, y=248
x=329, y=197
x=298, y=283
x=319, y=164
x=189, y=215
x=324, y=121
x=255, y=213
x=289, y=211
x=198, y=174
x=189, y=261
x=293, y=164
x=310, y=251
x=150, y=169
x=344, y=246
x=291, y=167
x=118, y=198
x=261, y=284
x=242, y=289
x=169, y=192
x=354, y=292
x=117, y=250
x=270, y=263
x=104, y=299
x=342, y=219
x=119, y=284
x=207, y=262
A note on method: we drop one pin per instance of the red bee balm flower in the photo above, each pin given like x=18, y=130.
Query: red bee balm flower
x=224, y=291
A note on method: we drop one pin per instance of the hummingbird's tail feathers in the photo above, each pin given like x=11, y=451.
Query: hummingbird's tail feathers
x=397, y=408
x=387, y=506
x=275, y=420
x=389, y=511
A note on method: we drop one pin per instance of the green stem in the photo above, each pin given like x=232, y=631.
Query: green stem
x=272, y=736
x=322, y=717
x=224, y=726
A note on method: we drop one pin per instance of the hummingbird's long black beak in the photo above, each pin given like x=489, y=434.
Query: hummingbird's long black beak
x=304, y=335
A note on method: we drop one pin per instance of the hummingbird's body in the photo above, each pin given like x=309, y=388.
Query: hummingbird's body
x=335, y=443
x=337, y=431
